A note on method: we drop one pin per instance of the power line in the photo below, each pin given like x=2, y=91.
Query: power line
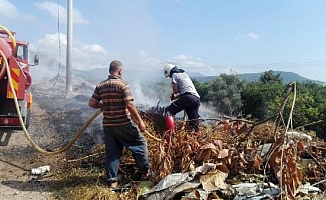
x=271, y=65
x=265, y=50
x=59, y=45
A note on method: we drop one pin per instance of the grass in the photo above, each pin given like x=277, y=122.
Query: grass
x=80, y=183
x=84, y=178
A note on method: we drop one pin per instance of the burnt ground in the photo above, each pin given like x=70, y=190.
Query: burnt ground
x=55, y=119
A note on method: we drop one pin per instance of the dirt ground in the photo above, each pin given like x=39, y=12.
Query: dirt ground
x=54, y=121
x=17, y=158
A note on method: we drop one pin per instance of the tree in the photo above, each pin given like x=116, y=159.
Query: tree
x=261, y=100
x=321, y=128
x=202, y=89
x=225, y=94
x=264, y=99
x=310, y=107
x=269, y=77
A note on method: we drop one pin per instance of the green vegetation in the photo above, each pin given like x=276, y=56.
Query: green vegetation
x=223, y=93
x=261, y=100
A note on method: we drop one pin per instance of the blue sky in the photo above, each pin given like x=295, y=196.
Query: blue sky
x=210, y=37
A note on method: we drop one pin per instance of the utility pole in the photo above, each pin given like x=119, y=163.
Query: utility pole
x=69, y=47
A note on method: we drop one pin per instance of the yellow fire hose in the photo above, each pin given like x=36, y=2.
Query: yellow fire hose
x=34, y=145
x=14, y=44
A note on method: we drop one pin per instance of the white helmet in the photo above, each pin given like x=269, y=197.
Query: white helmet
x=167, y=70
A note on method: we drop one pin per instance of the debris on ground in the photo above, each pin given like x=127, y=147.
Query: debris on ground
x=232, y=158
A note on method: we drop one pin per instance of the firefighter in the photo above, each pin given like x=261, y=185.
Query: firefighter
x=184, y=96
x=113, y=96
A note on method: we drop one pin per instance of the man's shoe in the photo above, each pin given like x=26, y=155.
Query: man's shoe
x=114, y=186
x=147, y=176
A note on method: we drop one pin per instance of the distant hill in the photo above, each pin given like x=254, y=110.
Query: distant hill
x=98, y=74
x=287, y=77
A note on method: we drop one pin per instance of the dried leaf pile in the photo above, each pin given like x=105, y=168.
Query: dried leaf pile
x=237, y=147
